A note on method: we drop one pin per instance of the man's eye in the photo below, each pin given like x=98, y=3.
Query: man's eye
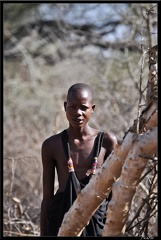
x=84, y=108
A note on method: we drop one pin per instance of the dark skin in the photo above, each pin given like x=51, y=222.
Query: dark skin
x=79, y=107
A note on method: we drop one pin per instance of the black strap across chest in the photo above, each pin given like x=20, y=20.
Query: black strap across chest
x=97, y=144
x=74, y=186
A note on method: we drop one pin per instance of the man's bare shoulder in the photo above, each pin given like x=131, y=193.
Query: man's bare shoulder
x=54, y=139
x=110, y=138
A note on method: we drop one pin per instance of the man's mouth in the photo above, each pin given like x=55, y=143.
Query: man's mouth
x=78, y=120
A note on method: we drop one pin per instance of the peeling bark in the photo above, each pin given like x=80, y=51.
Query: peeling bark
x=124, y=188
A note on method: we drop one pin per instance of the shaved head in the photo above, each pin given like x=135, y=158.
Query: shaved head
x=80, y=87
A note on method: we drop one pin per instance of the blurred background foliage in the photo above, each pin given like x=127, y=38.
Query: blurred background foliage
x=47, y=48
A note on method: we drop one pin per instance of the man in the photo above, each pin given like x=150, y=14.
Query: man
x=72, y=152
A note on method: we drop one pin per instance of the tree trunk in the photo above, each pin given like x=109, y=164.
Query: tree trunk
x=124, y=188
x=126, y=160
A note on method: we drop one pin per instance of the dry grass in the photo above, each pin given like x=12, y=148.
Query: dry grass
x=22, y=196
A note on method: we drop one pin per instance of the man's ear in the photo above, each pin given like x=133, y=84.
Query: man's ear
x=93, y=107
x=65, y=105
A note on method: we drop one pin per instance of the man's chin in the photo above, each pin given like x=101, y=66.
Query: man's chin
x=78, y=125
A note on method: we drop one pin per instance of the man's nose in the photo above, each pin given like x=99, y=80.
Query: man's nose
x=78, y=111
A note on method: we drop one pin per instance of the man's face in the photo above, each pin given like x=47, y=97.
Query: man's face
x=79, y=108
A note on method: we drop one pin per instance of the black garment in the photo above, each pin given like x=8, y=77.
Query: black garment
x=63, y=201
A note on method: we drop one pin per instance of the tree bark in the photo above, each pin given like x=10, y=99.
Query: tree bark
x=124, y=188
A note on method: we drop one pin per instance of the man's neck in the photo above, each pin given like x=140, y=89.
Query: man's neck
x=79, y=133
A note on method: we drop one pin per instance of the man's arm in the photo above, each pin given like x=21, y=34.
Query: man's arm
x=48, y=184
x=110, y=141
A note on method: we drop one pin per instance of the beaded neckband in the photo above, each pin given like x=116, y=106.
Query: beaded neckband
x=91, y=171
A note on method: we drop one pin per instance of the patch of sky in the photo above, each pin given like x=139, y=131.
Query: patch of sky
x=98, y=14
x=49, y=12
x=81, y=13
x=95, y=14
